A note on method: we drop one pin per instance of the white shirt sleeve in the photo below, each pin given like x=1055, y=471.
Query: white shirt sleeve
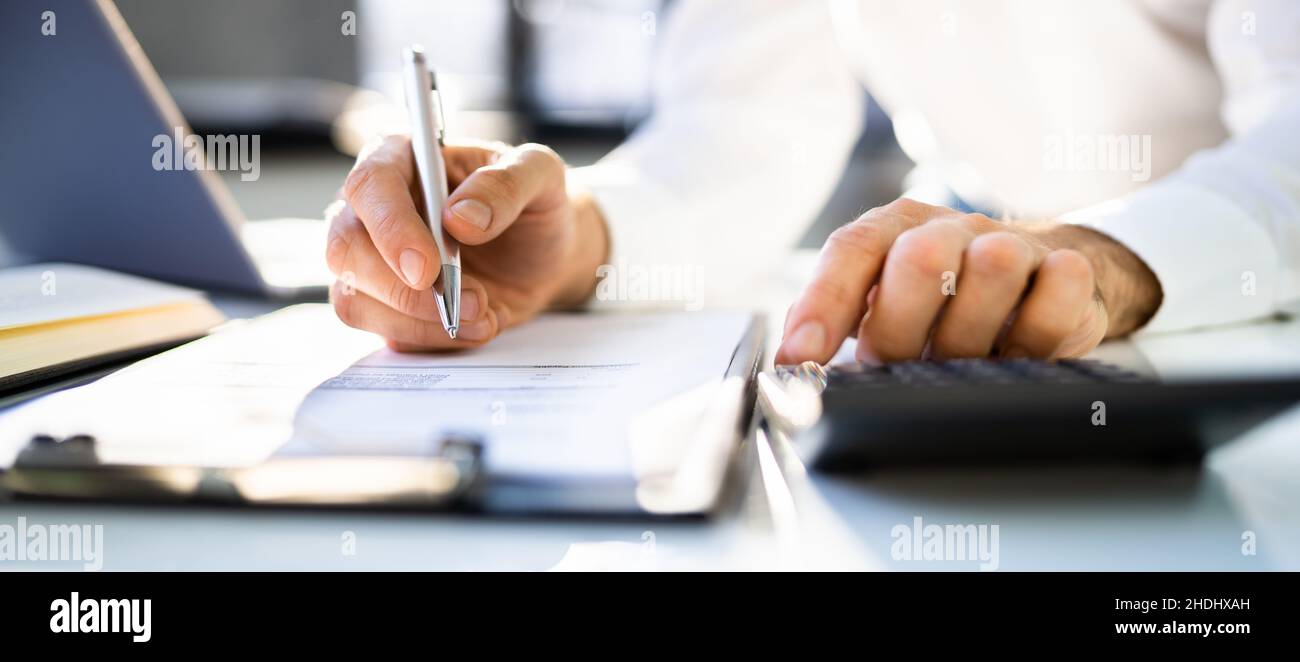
x=1222, y=233
x=755, y=113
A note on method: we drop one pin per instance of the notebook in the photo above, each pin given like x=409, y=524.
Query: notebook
x=59, y=318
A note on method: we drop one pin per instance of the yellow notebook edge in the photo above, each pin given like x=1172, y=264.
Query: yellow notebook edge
x=183, y=320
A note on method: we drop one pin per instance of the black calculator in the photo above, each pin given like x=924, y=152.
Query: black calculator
x=1008, y=412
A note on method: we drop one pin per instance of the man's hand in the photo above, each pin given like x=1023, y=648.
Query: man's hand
x=526, y=244
x=912, y=280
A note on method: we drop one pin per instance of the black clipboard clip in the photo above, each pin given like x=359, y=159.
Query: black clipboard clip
x=70, y=468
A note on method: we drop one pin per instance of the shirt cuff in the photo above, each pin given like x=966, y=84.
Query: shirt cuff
x=641, y=225
x=1215, y=264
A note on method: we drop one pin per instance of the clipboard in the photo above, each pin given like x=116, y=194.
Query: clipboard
x=450, y=474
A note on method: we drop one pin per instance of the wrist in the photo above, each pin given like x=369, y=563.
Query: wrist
x=590, y=249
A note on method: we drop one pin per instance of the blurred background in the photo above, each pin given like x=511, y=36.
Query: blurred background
x=315, y=76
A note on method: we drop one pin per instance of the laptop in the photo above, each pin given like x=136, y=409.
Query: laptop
x=100, y=168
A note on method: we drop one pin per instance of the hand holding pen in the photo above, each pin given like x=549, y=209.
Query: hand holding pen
x=526, y=244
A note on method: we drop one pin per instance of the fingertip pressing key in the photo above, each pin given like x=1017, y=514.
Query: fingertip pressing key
x=806, y=343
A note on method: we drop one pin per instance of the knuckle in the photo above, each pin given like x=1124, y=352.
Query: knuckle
x=907, y=207
x=338, y=248
x=359, y=179
x=980, y=222
x=385, y=225
x=541, y=151
x=401, y=297
x=861, y=236
x=998, y=253
x=927, y=250
x=500, y=183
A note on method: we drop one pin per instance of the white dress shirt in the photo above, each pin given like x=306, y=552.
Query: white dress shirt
x=1171, y=125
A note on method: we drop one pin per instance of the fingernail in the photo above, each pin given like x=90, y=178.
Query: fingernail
x=473, y=212
x=807, y=342
x=412, y=264
x=469, y=306
x=1015, y=352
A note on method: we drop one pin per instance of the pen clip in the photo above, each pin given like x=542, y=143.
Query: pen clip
x=435, y=98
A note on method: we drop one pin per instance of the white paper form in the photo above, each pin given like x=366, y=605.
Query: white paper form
x=550, y=398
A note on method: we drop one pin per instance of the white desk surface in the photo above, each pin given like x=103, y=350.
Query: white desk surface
x=785, y=518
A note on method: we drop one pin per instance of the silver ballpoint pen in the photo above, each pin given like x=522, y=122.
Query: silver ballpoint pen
x=425, y=107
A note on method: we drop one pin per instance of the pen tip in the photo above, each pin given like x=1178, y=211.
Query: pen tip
x=451, y=331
